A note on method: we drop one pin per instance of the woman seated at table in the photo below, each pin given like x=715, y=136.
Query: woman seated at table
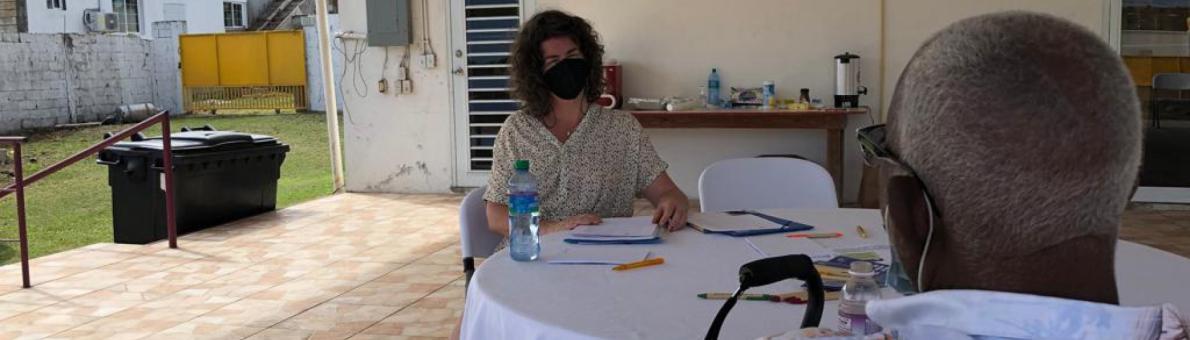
x=590, y=162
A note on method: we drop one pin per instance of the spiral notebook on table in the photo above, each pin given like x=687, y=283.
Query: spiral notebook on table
x=630, y=230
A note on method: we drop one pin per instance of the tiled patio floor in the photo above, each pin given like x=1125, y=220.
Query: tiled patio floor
x=348, y=266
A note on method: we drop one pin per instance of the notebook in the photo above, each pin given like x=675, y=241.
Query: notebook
x=628, y=230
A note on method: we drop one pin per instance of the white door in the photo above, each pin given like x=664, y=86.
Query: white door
x=481, y=37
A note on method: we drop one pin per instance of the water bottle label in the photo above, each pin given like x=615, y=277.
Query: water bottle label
x=857, y=324
x=522, y=203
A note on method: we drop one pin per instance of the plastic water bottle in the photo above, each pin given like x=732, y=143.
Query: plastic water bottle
x=857, y=292
x=713, y=88
x=523, y=215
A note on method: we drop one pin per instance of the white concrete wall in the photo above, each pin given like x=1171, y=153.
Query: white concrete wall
x=1158, y=43
x=52, y=79
x=398, y=143
x=909, y=23
x=202, y=16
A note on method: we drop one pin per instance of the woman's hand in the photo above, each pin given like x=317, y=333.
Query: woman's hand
x=570, y=223
x=672, y=205
x=672, y=209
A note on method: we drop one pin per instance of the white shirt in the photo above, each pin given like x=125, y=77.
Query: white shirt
x=974, y=314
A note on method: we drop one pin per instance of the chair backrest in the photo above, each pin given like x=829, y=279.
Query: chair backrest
x=477, y=240
x=1171, y=81
x=765, y=183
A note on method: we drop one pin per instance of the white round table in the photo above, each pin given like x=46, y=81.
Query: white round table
x=537, y=300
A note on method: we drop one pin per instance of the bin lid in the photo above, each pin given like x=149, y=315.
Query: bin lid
x=200, y=141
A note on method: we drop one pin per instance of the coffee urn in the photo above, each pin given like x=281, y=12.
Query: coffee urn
x=847, y=87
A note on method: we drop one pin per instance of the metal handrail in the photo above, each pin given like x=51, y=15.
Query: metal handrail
x=21, y=182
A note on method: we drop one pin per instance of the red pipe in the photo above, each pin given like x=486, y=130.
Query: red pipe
x=171, y=227
x=88, y=151
x=18, y=170
x=21, y=182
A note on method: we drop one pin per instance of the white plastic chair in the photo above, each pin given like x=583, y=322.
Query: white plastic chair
x=765, y=183
x=477, y=240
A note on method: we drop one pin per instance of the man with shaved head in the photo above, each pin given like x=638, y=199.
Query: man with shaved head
x=1011, y=150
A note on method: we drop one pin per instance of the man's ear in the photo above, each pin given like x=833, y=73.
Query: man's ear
x=909, y=219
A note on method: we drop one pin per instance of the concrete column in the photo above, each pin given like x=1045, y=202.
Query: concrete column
x=166, y=62
x=314, y=91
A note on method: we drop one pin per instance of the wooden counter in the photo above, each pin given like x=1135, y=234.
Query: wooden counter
x=831, y=120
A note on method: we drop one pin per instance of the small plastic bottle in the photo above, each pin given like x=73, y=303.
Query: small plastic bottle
x=860, y=289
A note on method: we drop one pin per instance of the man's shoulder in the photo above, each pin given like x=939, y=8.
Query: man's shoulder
x=1010, y=315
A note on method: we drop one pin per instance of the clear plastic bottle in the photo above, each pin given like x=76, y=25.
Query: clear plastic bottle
x=524, y=244
x=713, y=88
x=857, y=292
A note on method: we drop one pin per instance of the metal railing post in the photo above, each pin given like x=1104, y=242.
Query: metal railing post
x=167, y=161
x=18, y=171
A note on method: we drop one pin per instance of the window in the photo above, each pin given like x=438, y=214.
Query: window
x=55, y=4
x=127, y=15
x=233, y=15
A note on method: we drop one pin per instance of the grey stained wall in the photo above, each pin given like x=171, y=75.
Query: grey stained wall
x=51, y=79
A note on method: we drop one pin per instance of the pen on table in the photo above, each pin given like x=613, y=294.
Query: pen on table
x=862, y=233
x=725, y=296
x=815, y=235
x=638, y=264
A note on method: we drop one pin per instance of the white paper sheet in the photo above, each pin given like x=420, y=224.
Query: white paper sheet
x=625, y=227
x=779, y=245
x=597, y=255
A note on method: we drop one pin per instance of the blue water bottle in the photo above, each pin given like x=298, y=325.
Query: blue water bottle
x=713, y=88
x=523, y=214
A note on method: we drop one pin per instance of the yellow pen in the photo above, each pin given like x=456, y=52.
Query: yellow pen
x=639, y=264
x=862, y=233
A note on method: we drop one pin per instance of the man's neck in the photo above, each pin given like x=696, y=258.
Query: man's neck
x=1081, y=269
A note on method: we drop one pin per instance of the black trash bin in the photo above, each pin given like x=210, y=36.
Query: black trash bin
x=219, y=176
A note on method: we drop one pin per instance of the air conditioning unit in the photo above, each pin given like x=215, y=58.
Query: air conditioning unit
x=97, y=21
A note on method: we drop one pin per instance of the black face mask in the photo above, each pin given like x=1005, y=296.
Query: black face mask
x=568, y=77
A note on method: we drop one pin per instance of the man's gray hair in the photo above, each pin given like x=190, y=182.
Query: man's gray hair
x=1024, y=127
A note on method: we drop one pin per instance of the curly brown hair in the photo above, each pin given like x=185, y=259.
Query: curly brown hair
x=526, y=62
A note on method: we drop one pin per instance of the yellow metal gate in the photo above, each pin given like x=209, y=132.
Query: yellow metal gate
x=249, y=70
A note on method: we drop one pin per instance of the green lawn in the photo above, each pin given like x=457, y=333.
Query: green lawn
x=72, y=208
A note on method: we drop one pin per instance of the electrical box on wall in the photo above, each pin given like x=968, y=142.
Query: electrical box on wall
x=389, y=23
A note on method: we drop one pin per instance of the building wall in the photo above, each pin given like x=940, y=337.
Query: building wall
x=403, y=143
x=74, y=78
x=314, y=89
x=202, y=16
x=909, y=23
x=790, y=42
x=255, y=9
x=396, y=143
x=1155, y=43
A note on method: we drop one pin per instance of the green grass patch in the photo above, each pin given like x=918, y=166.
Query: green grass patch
x=72, y=208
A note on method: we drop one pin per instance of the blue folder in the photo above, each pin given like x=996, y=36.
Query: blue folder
x=785, y=226
x=591, y=241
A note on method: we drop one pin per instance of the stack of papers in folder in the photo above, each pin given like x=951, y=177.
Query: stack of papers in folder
x=742, y=224
x=633, y=230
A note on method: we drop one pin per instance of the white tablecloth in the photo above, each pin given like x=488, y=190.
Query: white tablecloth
x=536, y=300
